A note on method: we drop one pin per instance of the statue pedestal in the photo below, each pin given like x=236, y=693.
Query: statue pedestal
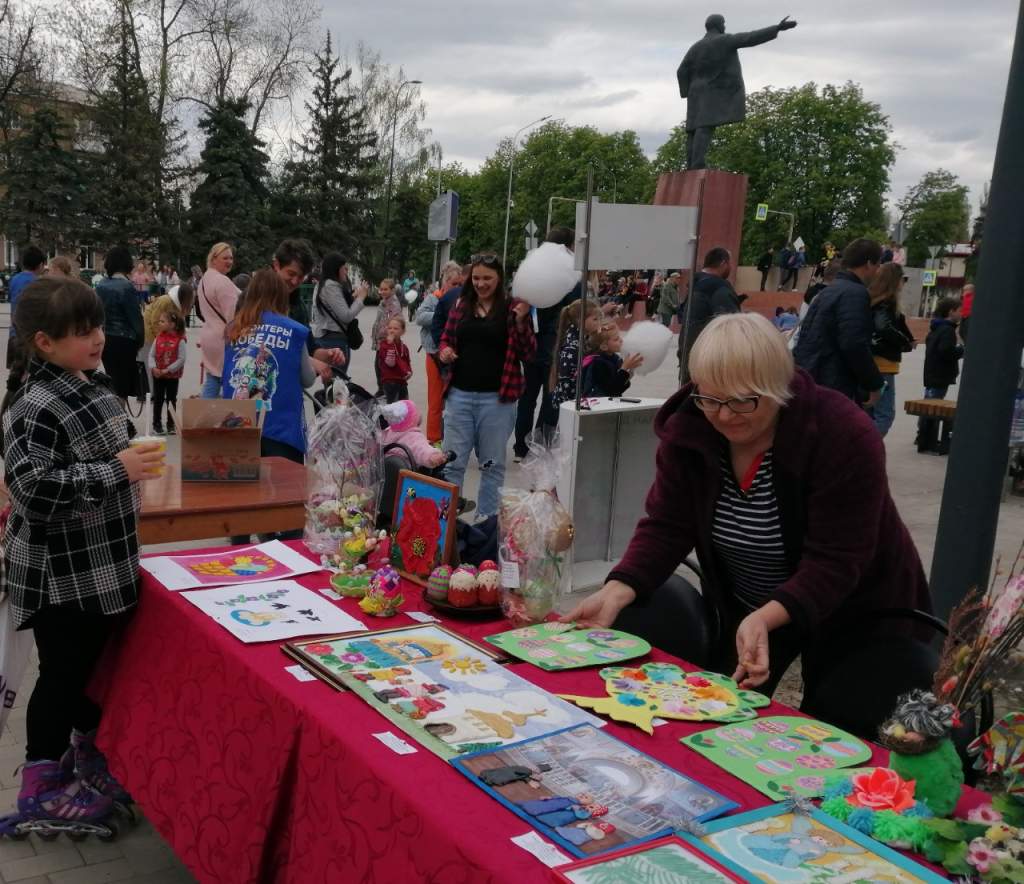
x=721, y=214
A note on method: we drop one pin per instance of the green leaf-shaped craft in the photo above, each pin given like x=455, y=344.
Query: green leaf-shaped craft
x=662, y=690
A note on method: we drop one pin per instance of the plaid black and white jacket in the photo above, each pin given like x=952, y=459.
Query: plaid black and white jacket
x=72, y=538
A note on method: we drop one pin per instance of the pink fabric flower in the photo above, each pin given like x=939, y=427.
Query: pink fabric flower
x=981, y=855
x=882, y=789
x=985, y=814
x=1005, y=607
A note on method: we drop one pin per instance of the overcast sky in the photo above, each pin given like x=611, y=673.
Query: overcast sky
x=937, y=67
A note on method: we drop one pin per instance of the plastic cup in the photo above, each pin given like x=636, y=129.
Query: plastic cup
x=140, y=441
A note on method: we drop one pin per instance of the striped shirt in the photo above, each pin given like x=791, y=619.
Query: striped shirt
x=747, y=533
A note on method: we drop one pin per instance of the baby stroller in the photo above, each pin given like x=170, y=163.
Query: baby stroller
x=396, y=458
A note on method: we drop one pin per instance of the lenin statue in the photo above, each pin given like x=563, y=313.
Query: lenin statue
x=711, y=81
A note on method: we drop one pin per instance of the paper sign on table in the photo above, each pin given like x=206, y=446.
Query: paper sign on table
x=548, y=854
x=272, y=611
x=245, y=565
x=422, y=617
x=395, y=743
x=300, y=673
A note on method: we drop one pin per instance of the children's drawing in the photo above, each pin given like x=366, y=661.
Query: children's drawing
x=555, y=645
x=247, y=564
x=590, y=792
x=639, y=694
x=665, y=861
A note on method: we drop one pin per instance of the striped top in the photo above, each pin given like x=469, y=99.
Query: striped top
x=747, y=532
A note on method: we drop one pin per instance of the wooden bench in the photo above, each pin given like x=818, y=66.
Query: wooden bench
x=934, y=432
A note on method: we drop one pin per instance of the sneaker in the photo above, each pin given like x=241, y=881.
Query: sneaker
x=158, y=430
x=171, y=431
x=517, y=458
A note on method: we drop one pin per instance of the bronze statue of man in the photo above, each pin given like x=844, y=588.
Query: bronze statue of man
x=711, y=81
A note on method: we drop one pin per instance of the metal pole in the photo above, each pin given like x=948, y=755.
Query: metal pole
x=508, y=198
x=584, y=285
x=685, y=338
x=391, y=168
x=977, y=462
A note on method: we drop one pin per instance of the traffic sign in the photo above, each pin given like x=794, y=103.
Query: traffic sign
x=933, y=250
x=531, y=228
x=928, y=278
x=762, y=212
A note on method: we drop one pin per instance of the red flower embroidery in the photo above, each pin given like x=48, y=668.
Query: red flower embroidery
x=418, y=535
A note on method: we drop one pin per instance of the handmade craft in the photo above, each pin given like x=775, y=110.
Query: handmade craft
x=782, y=844
x=662, y=690
x=445, y=692
x=1000, y=750
x=352, y=584
x=780, y=756
x=462, y=591
x=590, y=792
x=554, y=645
x=488, y=583
x=271, y=611
x=437, y=585
x=423, y=531
x=383, y=597
x=663, y=861
x=249, y=564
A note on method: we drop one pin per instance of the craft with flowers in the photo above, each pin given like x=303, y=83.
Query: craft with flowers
x=423, y=525
x=881, y=789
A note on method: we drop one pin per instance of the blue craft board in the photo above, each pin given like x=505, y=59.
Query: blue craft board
x=724, y=805
x=440, y=496
x=880, y=850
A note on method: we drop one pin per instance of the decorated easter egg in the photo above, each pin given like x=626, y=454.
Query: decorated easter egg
x=488, y=582
x=462, y=588
x=437, y=584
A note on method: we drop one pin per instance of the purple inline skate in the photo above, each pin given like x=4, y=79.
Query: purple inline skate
x=85, y=762
x=49, y=803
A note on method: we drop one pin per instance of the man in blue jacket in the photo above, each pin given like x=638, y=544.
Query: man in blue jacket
x=834, y=343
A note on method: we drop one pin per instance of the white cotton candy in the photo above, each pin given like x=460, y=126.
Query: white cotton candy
x=546, y=276
x=652, y=341
x=411, y=296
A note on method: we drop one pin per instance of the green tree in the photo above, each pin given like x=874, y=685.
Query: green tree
x=325, y=194
x=43, y=184
x=822, y=153
x=936, y=212
x=230, y=201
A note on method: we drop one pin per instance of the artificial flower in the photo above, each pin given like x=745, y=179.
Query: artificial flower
x=981, y=855
x=882, y=789
x=984, y=813
x=418, y=535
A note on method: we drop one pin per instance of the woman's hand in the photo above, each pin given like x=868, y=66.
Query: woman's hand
x=332, y=356
x=752, y=644
x=521, y=310
x=447, y=356
x=632, y=362
x=362, y=290
x=603, y=607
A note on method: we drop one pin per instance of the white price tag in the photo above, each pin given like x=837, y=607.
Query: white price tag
x=422, y=617
x=395, y=744
x=330, y=593
x=509, y=573
x=300, y=672
x=547, y=853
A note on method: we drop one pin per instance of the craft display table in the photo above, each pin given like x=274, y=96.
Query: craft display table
x=251, y=775
x=173, y=510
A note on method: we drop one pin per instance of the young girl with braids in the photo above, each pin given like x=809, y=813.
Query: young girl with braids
x=566, y=366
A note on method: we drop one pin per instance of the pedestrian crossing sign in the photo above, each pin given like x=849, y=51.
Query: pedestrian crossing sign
x=928, y=278
x=762, y=212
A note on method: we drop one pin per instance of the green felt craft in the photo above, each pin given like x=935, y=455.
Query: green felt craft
x=554, y=645
x=938, y=773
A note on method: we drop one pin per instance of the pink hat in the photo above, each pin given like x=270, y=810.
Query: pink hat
x=402, y=415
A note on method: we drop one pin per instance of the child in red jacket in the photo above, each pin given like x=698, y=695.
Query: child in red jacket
x=393, y=362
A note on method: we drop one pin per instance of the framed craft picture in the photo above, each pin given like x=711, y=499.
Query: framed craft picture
x=590, y=792
x=448, y=694
x=665, y=861
x=423, y=525
x=554, y=646
x=781, y=756
x=782, y=846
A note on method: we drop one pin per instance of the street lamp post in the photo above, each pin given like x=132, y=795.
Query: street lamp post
x=391, y=169
x=511, y=166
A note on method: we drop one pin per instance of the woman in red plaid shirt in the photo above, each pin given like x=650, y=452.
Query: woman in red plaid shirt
x=487, y=338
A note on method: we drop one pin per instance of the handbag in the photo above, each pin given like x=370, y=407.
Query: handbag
x=887, y=335
x=15, y=645
x=351, y=331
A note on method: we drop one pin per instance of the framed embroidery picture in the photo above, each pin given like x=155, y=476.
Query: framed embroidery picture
x=665, y=861
x=422, y=525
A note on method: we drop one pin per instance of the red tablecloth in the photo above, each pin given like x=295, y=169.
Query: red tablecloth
x=251, y=775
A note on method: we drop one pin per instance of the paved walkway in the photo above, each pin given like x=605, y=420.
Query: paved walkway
x=140, y=856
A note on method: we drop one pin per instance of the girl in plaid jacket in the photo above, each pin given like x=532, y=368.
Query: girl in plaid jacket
x=71, y=544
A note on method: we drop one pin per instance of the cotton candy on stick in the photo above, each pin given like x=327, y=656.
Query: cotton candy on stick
x=652, y=341
x=546, y=276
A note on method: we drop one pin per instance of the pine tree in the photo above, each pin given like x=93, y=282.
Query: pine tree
x=43, y=199
x=325, y=194
x=230, y=202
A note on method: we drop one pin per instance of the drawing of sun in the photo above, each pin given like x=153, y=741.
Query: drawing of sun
x=464, y=666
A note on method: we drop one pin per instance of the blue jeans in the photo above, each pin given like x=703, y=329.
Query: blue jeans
x=480, y=422
x=211, y=387
x=884, y=411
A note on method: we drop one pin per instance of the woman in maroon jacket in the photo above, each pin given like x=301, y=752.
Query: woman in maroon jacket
x=780, y=486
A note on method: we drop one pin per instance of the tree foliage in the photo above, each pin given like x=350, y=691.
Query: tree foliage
x=936, y=212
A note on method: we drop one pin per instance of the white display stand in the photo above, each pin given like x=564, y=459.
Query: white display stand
x=609, y=453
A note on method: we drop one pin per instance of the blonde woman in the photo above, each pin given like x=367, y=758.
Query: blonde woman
x=890, y=340
x=60, y=266
x=780, y=487
x=217, y=297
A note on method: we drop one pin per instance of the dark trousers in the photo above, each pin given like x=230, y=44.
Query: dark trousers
x=70, y=642
x=119, y=364
x=933, y=433
x=536, y=377
x=791, y=273
x=395, y=390
x=164, y=390
x=273, y=448
x=764, y=278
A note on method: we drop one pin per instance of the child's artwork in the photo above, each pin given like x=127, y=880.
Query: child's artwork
x=590, y=792
x=423, y=525
x=779, y=846
x=247, y=564
x=565, y=646
x=665, y=861
x=639, y=694
x=446, y=693
x=781, y=756
x=271, y=611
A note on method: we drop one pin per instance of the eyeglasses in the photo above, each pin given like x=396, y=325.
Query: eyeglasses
x=488, y=259
x=737, y=405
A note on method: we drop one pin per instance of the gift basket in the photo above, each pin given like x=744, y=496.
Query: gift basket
x=534, y=533
x=345, y=481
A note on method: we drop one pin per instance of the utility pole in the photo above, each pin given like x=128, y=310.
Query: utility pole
x=508, y=199
x=391, y=169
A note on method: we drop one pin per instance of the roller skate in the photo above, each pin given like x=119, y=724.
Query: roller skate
x=49, y=803
x=85, y=762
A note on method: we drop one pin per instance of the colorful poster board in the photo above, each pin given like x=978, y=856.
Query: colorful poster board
x=234, y=567
x=665, y=861
x=590, y=792
x=781, y=756
x=554, y=645
x=447, y=694
x=638, y=694
x=272, y=611
x=779, y=846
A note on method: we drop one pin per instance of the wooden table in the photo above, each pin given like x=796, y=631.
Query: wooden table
x=944, y=409
x=173, y=510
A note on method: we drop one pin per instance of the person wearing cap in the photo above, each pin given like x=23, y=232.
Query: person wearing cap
x=669, y=303
x=403, y=419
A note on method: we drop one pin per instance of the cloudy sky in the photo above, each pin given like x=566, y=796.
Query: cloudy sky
x=937, y=67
